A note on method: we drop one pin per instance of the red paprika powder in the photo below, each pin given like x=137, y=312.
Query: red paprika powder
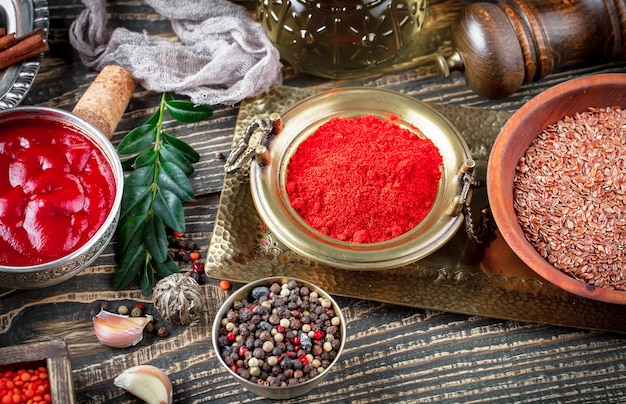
x=364, y=179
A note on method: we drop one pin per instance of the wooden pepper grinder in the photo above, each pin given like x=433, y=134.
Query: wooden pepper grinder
x=502, y=46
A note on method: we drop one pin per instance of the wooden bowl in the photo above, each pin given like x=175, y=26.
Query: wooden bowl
x=577, y=95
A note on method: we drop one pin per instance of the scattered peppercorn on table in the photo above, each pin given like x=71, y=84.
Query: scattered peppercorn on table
x=395, y=350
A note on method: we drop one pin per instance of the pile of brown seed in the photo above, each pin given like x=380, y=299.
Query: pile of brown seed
x=570, y=196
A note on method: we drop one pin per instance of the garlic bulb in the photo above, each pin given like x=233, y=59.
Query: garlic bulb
x=146, y=382
x=119, y=331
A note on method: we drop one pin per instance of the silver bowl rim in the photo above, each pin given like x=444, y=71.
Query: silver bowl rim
x=109, y=151
x=280, y=392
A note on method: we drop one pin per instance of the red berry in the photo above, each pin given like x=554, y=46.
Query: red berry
x=230, y=336
x=225, y=285
x=197, y=267
x=319, y=334
x=302, y=359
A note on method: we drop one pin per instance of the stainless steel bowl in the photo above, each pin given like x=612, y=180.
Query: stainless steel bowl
x=303, y=119
x=285, y=392
x=59, y=270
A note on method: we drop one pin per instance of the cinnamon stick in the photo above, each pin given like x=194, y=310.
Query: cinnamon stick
x=26, y=46
x=8, y=40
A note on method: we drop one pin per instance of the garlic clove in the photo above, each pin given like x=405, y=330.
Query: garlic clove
x=119, y=331
x=146, y=382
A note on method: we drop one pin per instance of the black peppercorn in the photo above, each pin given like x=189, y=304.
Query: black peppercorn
x=282, y=327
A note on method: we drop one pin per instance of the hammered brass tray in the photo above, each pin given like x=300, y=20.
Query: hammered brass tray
x=461, y=277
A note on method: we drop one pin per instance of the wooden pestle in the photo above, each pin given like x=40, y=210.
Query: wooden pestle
x=502, y=46
x=106, y=99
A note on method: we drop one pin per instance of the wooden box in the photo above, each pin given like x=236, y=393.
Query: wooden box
x=51, y=354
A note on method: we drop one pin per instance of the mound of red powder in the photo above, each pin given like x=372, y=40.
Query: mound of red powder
x=364, y=179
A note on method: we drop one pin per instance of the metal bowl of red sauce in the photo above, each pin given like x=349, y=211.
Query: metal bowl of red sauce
x=373, y=168
x=61, y=187
x=555, y=183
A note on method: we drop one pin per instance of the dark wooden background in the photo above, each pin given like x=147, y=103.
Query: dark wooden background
x=392, y=354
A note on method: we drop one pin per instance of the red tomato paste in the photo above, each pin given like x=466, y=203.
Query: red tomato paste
x=364, y=179
x=56, y=190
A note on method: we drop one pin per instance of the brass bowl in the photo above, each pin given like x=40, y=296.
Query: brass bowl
x=276, y=392
x=344, y=40
x=56, y=271
x=565, y=99
x=301, y=120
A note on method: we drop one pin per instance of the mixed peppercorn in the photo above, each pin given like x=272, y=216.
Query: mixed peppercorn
x=185, y=253
x=283, y=335
x=25, y=386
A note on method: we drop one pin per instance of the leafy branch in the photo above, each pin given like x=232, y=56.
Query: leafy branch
x=154, y=193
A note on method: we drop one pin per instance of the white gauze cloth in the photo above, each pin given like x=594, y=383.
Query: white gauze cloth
x=223, y=55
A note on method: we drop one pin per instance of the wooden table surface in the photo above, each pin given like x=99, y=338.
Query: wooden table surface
x=392, y=354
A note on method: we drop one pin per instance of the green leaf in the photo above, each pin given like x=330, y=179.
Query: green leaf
x=136, y=201
x=138, y=139
x=142, y=176
x=170, y=209
x=172, y=178
x=154, y=119
x=127, y=164
x=166, y=268
x=129, y=266
x=131, y=233
x=185, y=111
x=153, y=193
x=147, y=279
x=145, y=159
x=155, y=238
x=170, y=153
x=190, y=154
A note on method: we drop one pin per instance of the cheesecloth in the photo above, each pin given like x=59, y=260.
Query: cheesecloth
x=223, y=55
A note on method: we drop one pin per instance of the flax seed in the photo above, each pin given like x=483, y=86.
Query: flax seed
x=569, y=195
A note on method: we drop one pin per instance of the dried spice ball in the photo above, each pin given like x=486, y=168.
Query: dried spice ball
x=280, y=335
x=178, y=298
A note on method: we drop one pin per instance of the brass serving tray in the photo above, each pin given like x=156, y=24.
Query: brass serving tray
x=461, y=277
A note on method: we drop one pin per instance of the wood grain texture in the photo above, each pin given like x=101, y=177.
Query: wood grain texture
x=393, y=353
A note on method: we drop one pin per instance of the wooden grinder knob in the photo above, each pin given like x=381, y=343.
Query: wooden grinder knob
x=502, y=46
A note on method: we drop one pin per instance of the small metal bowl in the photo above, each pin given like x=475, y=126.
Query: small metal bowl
x=301, y=120
x=61, y=269
x=274, y=392
x=565, y=99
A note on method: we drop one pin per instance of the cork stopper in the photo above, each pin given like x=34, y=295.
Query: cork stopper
x=106, y=99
